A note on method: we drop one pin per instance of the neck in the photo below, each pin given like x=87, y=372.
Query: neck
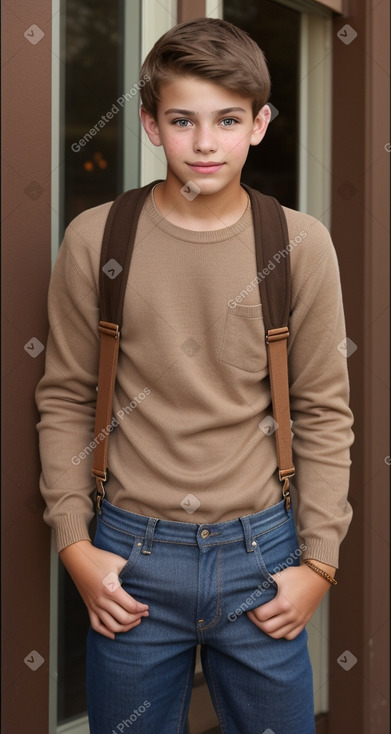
x=205, y=212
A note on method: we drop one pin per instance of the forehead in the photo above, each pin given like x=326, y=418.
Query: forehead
x=200, y=96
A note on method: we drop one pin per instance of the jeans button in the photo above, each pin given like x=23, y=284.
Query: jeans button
x=205, y=533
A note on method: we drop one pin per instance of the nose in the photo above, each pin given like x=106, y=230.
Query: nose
x=204, y=139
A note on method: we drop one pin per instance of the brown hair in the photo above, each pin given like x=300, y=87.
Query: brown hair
x=210, y=49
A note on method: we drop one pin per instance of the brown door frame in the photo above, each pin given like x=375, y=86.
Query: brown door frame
x=26, y=263
x=359, y=613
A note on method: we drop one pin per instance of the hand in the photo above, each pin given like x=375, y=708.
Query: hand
x=300, y=591
x=110, y=611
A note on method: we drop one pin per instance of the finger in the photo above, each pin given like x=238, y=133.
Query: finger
x=271, y=626
x=111, y=623
x=119, y=614
x=97, y=626
x=125, y=600
x=279, y=605
x=278, y=630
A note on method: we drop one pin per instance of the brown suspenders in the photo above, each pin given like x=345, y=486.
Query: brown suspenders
x=271, y=240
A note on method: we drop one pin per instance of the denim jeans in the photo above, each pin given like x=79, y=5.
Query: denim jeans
x=199, y=581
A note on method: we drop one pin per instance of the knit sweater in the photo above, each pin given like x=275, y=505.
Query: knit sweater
x=189, y=439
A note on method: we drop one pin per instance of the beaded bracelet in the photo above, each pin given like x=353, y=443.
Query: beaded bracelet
x=322, y=573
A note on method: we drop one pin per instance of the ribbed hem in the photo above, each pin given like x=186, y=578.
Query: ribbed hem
x=71, y=529
x=322, y=551
x=192, y=236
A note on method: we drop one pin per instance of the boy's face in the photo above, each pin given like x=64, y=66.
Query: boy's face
x=206, y=131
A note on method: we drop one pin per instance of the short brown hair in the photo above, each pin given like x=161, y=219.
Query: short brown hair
x=210, y=49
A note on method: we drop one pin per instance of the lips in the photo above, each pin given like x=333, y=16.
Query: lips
x=207, y=167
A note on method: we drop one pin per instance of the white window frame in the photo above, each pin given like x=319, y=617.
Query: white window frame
x=157, y=18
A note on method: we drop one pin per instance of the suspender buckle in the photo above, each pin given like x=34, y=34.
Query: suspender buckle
x=285, y=489
x=276, y=335
x=100, y=490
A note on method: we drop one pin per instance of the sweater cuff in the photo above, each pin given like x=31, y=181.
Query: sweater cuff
x=322, y=551
x=71, y=529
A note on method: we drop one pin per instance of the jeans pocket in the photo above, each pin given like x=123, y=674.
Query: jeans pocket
x=276, y=550
x=132, y=558
x=110, y=539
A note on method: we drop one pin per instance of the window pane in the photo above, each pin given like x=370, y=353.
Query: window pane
x=93, y=117
x=272, y=166
x=92, y=83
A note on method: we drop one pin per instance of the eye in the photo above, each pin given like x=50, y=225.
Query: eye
x=229, y=122
x=182, y=122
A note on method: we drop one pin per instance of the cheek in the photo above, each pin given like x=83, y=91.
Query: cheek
x=175, y=145
x=237, y=146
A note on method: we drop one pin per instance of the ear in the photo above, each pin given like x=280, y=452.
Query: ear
x=150, y=126
x=261, y=123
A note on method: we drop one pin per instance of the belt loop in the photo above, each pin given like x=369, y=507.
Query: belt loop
x=147, y=547
x=250, y=543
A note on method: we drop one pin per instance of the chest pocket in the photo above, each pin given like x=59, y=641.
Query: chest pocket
x=244, y=339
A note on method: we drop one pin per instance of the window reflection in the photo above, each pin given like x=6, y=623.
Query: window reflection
x=272, y=166
x=93, y=118
x=92, y=137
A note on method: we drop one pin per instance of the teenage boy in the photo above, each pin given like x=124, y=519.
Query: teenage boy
x=193, y=523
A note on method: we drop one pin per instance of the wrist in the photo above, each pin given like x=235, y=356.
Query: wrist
x=73, y=552
x=323, y=570
x=331, y=570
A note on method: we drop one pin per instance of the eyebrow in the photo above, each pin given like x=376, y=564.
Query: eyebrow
x=225, y=111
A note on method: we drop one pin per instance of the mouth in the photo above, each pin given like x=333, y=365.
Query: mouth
x=201, y=167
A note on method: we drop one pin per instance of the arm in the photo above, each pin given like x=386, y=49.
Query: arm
x=319, y=395
x=66, y=394
x=111, y=610
x=66, y=398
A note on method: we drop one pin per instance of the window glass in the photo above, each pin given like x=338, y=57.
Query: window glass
x=272, y=166
x=93, y=109
x=92, y=173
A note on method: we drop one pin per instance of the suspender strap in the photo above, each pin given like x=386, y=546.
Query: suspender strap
x=116, y=253
x=273, y=264
x=270, y=231
x=108, y=360
x=276, y=341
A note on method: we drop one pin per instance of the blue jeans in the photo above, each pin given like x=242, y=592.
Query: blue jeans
x=199, y=581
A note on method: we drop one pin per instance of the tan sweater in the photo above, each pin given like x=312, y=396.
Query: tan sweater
x=192, y=381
